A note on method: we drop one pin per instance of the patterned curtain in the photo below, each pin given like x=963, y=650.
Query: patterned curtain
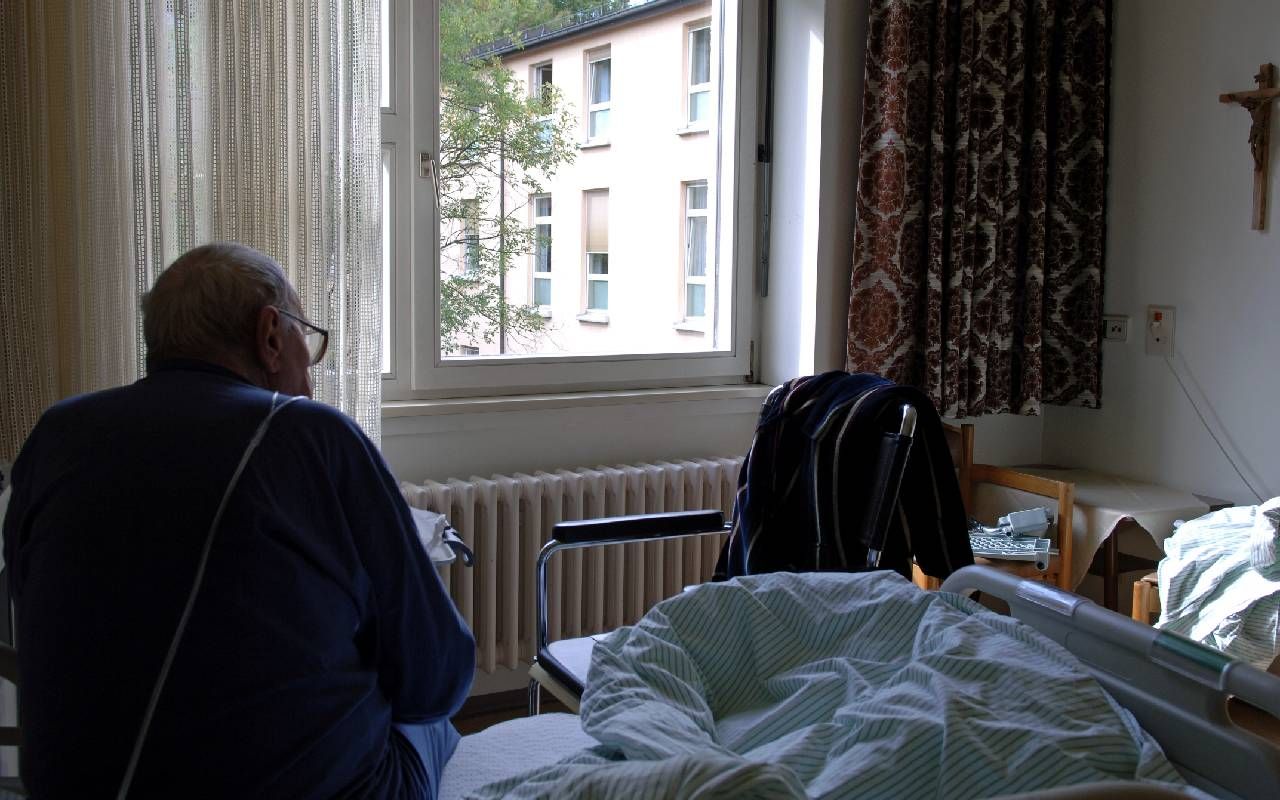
x=978, y=250
x=132, y=130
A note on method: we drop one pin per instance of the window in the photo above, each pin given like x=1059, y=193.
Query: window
x=695, y=249
x=542, y=252
x=541, y=78
x=596, y=212
x=538, y=88
x=700, y=75
x=469, y=350
x=599, y=95
x=488, y=274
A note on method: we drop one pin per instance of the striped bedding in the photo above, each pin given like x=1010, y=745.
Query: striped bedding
x=823, y=685
x=1210, y=590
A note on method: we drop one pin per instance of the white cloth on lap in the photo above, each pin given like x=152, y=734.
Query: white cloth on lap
x=431, y=532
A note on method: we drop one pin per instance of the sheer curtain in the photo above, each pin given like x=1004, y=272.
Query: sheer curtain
x=132, y=130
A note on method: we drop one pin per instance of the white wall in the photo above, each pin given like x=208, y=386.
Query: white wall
x=1178, y=234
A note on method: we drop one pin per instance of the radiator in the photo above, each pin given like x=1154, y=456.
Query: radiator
x=506, y=519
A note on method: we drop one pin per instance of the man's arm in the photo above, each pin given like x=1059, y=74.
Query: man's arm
x=425, y=653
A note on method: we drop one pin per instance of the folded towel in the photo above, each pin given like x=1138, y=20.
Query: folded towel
x=1262, y=540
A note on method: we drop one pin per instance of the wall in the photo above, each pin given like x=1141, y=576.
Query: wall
x=1178, y=234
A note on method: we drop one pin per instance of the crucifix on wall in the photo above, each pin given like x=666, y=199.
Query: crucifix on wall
x=1258, y=103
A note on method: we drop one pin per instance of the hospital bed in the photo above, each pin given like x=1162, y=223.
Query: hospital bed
x=1178, y=690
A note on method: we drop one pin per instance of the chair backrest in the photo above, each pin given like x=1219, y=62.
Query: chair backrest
x=960, y=444
x=1063, y=493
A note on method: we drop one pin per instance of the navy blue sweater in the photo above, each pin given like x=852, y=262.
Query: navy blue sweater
x=320, y=622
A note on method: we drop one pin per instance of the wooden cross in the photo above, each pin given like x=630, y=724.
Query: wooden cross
x=1258, y=103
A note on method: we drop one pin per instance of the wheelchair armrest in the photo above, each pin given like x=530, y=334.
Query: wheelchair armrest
x=638, y=527
x=614, y=530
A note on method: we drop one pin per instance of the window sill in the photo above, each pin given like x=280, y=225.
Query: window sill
x=594, y=317
x=685, y=326
x=544, y=312
x=592, y=144
x=752, y=394
x=692, y=130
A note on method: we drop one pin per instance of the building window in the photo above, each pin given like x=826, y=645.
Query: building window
x=471, y=235
x=541, y=78
x=542, y=251
x=540, y=88
x=695, y=249
x=596, y=207
x=600, y=94
x=469, y=350
x=700, y=75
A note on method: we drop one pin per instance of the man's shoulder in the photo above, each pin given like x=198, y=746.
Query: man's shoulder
x=311, y=418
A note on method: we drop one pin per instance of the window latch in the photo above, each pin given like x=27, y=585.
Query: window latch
x=427, y=169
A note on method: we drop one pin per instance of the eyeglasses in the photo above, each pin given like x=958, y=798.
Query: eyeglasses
x=317, y=338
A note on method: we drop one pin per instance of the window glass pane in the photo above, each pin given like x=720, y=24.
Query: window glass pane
x=696, y=261
x=600, y=90
x=645, y=233
x=599, y=124
x=699, y=106
x=543, y=261
x=700, y=56
x=698, y=195
x=695, y=300
x=598, y=295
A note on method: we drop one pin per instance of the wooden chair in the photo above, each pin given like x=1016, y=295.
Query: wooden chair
x=960, y=440
x=1146, y=599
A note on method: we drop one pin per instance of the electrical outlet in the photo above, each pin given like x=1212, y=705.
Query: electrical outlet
x=1115, y=327
x=1160, y=331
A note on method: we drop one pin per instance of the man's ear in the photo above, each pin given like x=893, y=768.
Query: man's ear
x=269, y=339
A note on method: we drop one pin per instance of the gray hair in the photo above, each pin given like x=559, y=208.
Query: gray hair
x=206, y=303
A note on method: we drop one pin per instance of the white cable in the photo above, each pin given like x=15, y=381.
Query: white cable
x=191, y=598
x=1207, y=427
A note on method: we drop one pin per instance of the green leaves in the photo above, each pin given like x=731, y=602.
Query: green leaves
x=498, y=144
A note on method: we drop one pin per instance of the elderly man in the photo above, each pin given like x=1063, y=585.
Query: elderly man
x=301, y=646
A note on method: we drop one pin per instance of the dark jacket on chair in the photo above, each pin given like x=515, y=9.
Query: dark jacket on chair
x=809, y=476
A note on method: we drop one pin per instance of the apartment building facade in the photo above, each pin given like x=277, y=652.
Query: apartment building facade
x=625, y=259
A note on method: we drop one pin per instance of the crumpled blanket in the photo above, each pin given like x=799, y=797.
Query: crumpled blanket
x=1211, y=591
x=838, y=685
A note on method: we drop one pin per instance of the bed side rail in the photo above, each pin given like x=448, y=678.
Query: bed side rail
x=1176, y=688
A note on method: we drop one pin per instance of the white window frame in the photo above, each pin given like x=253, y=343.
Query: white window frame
x=418, y=369
x=695, y=88
x=688, y=279
x=535, y=273
x=594, y=57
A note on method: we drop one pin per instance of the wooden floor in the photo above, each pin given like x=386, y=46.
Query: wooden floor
x=482, y=711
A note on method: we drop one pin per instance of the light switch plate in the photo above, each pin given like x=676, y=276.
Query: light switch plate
x=1115, y=327
x=1160, y=331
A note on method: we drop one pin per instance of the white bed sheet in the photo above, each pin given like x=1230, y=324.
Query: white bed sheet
x=509, y=748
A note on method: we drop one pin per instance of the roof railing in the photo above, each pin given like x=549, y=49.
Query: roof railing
x=568, y=23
